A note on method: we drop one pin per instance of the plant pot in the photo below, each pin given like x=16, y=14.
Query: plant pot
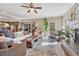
x=68, y=39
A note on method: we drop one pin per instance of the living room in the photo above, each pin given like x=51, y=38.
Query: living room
x=39, y=29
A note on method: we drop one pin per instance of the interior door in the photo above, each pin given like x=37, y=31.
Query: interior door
x=52, y=27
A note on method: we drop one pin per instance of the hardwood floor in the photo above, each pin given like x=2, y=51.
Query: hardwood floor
x=74, y=46
x=53, y=50
x=46, y=51
x=39, y=49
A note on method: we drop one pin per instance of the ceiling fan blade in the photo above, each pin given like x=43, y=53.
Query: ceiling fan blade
x=25, y=6
x=38, y=7
x=28, y=11
x=35, y=11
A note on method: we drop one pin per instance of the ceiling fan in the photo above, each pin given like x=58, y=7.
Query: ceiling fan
x=31, y=7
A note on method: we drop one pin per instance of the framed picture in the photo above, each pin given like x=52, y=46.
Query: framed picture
x=72, y=15
x=77, y=13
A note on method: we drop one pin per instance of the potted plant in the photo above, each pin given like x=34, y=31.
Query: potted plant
x=68, y=35
x=45, y=27
x=46, y=24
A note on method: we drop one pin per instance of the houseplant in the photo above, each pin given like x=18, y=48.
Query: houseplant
x=67, y=34
x=46, y=24
x=45, y=27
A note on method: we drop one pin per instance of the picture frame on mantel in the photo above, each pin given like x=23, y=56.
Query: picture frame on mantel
x=72, y=14
x=77, y=13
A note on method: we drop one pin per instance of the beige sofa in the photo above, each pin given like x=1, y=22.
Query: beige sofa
x=17, y=49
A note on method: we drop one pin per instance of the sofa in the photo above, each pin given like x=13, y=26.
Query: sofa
x=18, y=48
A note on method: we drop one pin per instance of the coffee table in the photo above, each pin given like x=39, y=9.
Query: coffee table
x=29, y=42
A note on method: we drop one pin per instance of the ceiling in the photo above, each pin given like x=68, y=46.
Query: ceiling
x=48, y=10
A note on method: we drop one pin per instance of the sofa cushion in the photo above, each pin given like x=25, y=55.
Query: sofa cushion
x=3, y=43
x=10, y=42
x=18, y=34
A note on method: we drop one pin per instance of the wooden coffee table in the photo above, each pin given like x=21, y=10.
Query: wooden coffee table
x=29, y=42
